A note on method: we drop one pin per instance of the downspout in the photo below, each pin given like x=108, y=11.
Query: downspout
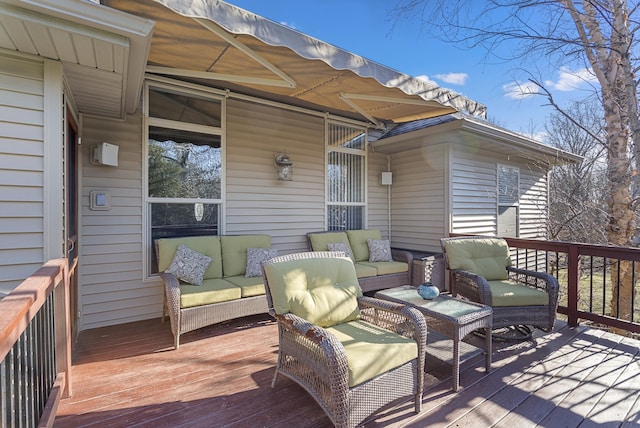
x=389, y=199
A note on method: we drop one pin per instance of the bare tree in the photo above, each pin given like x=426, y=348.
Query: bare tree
x=577, y=211
x=598, y=35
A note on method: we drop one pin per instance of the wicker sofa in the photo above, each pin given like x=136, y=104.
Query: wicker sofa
x=226, y=291
x=372, y=275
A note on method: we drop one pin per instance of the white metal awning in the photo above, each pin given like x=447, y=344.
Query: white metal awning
x=220, y=45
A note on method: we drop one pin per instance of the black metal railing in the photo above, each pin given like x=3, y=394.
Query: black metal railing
x=35, y=348
x=597, y=282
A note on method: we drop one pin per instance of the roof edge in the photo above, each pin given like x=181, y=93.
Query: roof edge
x=94, y=15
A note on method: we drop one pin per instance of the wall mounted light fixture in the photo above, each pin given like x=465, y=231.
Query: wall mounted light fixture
x=284, y=165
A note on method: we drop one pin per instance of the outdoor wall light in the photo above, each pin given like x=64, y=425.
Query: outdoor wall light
x=285, y=166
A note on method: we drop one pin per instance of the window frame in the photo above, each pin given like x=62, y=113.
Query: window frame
x=512, y=204
x=363, y=153
x=186, y=89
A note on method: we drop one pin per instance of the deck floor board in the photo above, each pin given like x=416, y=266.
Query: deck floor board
x=129, y=376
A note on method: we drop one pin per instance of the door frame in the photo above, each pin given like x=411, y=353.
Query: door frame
x=72, y=213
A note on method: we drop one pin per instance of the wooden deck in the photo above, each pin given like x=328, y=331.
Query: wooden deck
x=129, y=376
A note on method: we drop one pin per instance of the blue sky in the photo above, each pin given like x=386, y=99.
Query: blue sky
x=364, y=27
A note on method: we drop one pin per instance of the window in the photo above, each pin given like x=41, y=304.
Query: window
x=346, y=185
x=184, y=164
x=508, y=197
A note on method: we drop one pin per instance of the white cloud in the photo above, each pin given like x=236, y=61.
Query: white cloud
x=520, y=90
x=425, y=78
x=569, y=80
x=453, y=78
x=286, y=24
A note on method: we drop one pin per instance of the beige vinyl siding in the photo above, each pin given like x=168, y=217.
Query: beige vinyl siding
x=418, y=198
x=110, y=271
x=21, y=169
x=377, y=194
x=256, y=201
x=473, y=192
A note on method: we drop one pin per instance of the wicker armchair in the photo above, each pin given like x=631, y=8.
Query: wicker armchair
x=321, y=359
x=482, y=273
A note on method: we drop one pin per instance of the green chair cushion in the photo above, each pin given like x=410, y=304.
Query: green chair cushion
x=487, y=257
x=358, y=242
x=234, y=251
x=207, y=245
x=371, y=350
x=509, y=293
x=250, y=286
x=364, y=271
x=385, y=268
x=214, y=290
x=323, y=291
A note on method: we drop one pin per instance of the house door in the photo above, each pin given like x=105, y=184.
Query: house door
x=71, y=216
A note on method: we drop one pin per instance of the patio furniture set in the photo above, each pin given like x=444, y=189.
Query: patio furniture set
x=358, y=355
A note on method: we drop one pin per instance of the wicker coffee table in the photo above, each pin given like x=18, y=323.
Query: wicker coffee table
x=454, y=318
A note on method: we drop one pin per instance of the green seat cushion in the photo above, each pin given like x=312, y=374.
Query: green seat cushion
x=364, y=271
x=250, y=286
x=323, y=291
x=234, y=251
x=214, y=290
x=487, y=257
x=509, y=293
x=371, y=350
x=385, y=268
x=358, y=242
x=207, y=245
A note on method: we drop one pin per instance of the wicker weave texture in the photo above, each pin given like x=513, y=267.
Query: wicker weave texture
x=316, y=360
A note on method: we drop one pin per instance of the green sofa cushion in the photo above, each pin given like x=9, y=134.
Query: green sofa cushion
x=234, y=251
x=385, y=268
x=358, y=242
x=371, y=350
x=211, y=291
x=323, y=291
x=363, y=271
x=509, y=293
x=487, y=257
x=319, y=241
x=250, y=286
x=207, y=245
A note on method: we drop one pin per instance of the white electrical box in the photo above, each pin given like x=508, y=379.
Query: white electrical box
x=386, y=179
x=100, y=200
x=104, y=154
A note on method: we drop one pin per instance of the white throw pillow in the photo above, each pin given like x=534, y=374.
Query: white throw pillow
x=255, y=256
x=379, y=250
x=189, y=265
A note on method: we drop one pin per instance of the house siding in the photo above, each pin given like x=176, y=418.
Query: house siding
x=533, y=203
x=256, y=201
x=22, y=169
x=418, y=199
x=111, y=286
x=377, y=194
x=473, y=192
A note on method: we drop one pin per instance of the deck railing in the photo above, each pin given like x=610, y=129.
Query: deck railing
x=589, y=277
x=35, y=348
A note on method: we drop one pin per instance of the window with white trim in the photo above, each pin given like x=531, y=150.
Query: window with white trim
x=508, y=199
x=346, y=176
x=184, y=164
